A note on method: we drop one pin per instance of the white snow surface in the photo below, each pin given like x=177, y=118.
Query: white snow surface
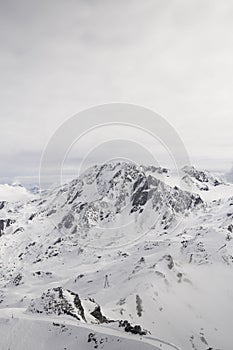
x=167, y=253
x=14, y=193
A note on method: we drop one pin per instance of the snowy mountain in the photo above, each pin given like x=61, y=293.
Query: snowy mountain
x=14, y=192
x=202, y=180
x=124, y=256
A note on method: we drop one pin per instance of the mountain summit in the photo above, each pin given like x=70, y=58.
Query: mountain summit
x=118, y=252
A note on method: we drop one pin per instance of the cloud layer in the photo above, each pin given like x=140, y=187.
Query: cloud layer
x=59, y=57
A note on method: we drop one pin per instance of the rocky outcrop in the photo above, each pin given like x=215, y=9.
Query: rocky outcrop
x=5, y=223
x=203, y=180
x=60, y=301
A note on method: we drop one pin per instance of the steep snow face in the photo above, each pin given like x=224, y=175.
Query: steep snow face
x=120, y=252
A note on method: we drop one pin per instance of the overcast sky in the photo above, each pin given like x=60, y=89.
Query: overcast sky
x=60, y=57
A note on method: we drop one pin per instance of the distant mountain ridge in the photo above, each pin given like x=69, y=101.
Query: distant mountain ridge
x=13, y=193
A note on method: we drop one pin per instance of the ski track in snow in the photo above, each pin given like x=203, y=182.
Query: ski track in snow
x=19, y=313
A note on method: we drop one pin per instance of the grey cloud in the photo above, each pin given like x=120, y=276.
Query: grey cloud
x=59, y=57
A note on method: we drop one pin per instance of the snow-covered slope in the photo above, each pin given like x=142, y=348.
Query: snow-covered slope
x=203, y=180
x=123, y=251
x=14, y=193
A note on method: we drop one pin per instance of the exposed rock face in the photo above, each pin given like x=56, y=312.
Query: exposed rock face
x=104, y=192
x=4, y=223
x=2, y=204
x=54, y=301
x=60, y=301
x=201, y=179
x=129, y=328
x=98, y=315
x=17, y=280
